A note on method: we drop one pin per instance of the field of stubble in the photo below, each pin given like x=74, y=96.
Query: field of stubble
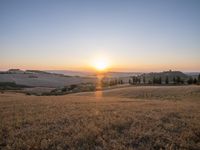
x=127, y=118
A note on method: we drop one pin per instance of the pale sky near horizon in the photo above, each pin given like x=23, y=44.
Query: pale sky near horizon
x=142, y=35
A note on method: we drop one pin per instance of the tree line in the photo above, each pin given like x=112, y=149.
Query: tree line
x=163, y=80
x=111, y=82
x=142, y=80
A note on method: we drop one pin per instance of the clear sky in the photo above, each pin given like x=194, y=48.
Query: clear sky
x=143, y=35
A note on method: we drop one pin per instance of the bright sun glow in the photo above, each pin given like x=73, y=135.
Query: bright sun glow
x=100, y=64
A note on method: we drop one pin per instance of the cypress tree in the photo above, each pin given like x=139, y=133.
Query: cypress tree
x=159, y=80
x=167, y=80
x=144, y=79
x=195, y=81
x=174, y=80
x=190, y=80
x=199, y=78
x=129, y=81
x=178, y=79
x=154, y=80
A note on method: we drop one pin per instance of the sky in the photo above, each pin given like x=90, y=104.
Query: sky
x=131, y=35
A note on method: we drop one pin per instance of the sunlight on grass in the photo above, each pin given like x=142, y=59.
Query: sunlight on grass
x=98, y=92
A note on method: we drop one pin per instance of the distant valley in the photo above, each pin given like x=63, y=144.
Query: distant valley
x=64, y=82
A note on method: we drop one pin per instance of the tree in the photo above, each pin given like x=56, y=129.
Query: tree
x=138, y=80
x=133, y=80
x=199, y=78
x=149, y=82
x=154, y=80
x=112, y=82
x=129, y=81
x=174, y=80
x=190, y=80
x=121, y=82
x=144, y=79
x=195, y=81
x=116, y=82
x=167, y=80
x=159, y=80
x=178, y=80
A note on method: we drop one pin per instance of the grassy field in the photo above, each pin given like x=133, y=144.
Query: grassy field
x=151, y=92
x=150, y=117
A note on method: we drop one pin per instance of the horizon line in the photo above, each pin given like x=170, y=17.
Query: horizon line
x=114, y=70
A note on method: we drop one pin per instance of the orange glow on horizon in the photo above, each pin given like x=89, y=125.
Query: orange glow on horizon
x=99, y=64
x=102, y=65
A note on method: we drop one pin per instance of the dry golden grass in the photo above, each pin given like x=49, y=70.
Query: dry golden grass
x=112, y=121
x=152, y=92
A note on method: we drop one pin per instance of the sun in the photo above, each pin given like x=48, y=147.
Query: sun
x=100, y=64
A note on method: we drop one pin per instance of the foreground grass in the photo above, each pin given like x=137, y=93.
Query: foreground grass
x=89, y=122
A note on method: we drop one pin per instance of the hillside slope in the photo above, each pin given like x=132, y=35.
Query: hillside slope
x=151, y=92
x=43, y=79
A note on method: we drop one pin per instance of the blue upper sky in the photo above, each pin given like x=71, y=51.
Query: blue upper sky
x=142, y=35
